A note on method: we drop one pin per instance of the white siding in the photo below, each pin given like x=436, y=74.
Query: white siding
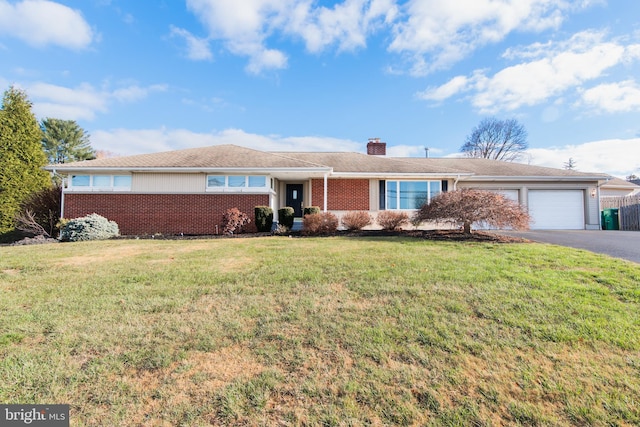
x=169, y=183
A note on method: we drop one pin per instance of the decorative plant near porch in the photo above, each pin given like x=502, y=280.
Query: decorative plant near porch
x=466, y=207
x=233, y=220
x=355, y=220
x=392, y=220
x=319, y=223
x=264, y=218
x=285, y=216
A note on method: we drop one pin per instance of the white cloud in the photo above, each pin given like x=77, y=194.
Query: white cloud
x=439, y=33
x=550, y=70
x=140, y=141
x=245, y=28
x=40, y=23
x=613, y=97
x=452, y=87
x=83, y=102
x=197, y=48
x=617, y=157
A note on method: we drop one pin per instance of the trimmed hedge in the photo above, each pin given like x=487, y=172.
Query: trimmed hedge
x=264, y=218
x=310, y=210
x=285, y=216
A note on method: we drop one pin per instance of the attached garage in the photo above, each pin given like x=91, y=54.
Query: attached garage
x=556, y=209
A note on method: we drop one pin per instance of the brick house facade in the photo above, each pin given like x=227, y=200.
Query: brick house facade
x=342, y=194
x=188, y=191
x=139, y=214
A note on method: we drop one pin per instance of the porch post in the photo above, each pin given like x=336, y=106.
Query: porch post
x=325, y=194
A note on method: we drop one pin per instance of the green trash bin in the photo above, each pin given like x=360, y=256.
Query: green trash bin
x=609, y=219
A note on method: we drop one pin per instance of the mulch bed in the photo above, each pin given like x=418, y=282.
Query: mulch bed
x=442, y=235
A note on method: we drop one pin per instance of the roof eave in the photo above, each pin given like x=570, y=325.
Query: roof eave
x=397, y=175
x=185, y=170
x=538, y=178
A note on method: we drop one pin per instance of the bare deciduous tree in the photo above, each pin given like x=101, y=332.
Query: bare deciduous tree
x=26, y=221
x=466, y=207
x=496, y=139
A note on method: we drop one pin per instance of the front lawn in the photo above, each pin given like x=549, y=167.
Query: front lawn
x=333, y=331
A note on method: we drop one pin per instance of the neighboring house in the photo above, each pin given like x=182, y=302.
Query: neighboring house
x=188, y=191
x=619, y=187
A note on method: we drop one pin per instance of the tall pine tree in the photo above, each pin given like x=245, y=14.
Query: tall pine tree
x=21, y=156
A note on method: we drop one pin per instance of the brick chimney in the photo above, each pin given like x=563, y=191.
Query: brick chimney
x=376, y=148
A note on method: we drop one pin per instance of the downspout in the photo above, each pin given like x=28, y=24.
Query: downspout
x=599, y=205
x=324, y=207
x=61, y=195
x=455, y=183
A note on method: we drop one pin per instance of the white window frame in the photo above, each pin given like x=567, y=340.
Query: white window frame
x=93, y=187
x=398, y=193
x=267, y=188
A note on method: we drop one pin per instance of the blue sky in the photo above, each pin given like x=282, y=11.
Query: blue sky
x=310, y=75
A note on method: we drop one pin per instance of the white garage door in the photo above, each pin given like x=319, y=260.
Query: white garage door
x=556, y=209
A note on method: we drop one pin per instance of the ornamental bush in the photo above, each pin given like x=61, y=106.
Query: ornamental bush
x=233, y=220
x=264, y=218
x=90, y=227
x=285, y=216
x=356, y=220
x=469, y=206
x=319, y=223
x=392, y=220
x=310, y=210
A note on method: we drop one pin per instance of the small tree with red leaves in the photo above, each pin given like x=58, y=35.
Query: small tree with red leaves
x=466, y=207
x=233, y=220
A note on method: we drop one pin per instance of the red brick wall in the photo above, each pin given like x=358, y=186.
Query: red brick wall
x=342, y=194
x=164, y=213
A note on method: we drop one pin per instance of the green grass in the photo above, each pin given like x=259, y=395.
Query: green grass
x=321, y=331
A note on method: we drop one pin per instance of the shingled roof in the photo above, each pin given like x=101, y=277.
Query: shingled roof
x=349, y=162
x=212, y=157
x=497, y=168
x=337, y=163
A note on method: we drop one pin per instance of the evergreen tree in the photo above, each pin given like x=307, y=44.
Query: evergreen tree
x=65, y=141
x=570, y=164
x=21, y=156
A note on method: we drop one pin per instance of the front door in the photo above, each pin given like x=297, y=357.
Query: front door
x=295, y=199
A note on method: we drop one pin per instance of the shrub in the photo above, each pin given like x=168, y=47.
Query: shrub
x=309, y=210
x=392, y=220
x=467, y=206
x=233, y=220
x=319, y=223
x=281, y=230
x=90, y=227
x=285, y=216
x=356, y=220
x=39, y=214
x=264, y=218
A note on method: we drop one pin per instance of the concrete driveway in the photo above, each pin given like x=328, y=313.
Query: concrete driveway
x=618, y=244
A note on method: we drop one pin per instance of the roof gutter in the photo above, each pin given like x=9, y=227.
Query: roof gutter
x=537, y=178
x=388, y=175
x=189, y=170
